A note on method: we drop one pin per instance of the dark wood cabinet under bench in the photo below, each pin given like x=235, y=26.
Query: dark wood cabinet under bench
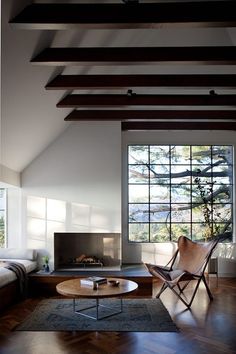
x=44, y=284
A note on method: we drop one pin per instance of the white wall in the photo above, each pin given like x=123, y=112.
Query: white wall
x=74, y=185
x=9, y=176
x=160, y=253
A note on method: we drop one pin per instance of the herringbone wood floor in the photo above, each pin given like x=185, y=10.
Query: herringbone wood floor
x=209, y=327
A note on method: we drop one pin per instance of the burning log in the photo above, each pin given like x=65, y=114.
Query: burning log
x=87, y=260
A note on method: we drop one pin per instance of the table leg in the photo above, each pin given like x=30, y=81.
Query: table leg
x=79, y=312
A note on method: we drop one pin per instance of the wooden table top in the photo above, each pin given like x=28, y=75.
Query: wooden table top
x=73, y=288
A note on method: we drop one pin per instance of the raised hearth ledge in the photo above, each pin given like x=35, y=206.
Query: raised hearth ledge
x=128, y=269
x=89, y=268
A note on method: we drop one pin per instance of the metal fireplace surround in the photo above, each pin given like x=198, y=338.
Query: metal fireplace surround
x=83, y=251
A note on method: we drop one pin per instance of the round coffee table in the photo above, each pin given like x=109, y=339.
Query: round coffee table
x=73, y=288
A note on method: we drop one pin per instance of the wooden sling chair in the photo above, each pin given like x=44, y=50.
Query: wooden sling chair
x=188, y=263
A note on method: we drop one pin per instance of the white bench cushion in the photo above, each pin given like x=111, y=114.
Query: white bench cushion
x=18, y=253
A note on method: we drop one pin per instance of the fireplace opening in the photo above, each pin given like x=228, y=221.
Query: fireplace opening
x=86, y=261
x=82, y=251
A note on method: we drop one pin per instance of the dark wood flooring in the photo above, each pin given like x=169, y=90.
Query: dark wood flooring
x=209, y=327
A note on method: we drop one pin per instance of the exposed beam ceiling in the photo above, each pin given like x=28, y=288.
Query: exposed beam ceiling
x=178, y=126
x=143, y=15
x=140, y=15
x=146, y=100
x=120, y=115
x=73, y=82
x=196, y=55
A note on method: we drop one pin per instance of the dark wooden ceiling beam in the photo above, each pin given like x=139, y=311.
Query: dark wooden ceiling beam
x=225, y=55
x=178, y=126
x=142, y=15
x=146, y=100
x=120, y=115
x=73, y=82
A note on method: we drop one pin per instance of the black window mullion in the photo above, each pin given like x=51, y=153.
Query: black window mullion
x=170, y=184
x=149, y=189
x=191, y=194
x=212, y=189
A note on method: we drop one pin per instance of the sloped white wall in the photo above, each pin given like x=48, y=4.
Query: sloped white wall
x=74, y=185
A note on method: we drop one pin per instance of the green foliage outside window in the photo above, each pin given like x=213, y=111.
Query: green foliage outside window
x=2, y=232
x=2, y=217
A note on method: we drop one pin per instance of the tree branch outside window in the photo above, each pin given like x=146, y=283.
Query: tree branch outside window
x=176, y=190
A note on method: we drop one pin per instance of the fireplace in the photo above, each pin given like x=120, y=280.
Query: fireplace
x=84, y=251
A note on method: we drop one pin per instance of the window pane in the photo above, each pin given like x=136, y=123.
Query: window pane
x=223, y=174
x=139, y=232
x=178, y=230
x=198, y=211
x=202, y=170
x=159, y=212
x=203, y=193
x=180, y=213
x=138, y=154
x=222, y=180
x=160, y=194
x=180, y=155
x=180, y=174
x=138, y=174
x=222, y=193
x=2, y=229
x=159, y=154
x=222, y=227
x=160, y=232
x=138, y=212
x=2, y=217
x=222, y=212
x=221, y=171
x=222, y=153
x=199, y=232
x=180, y=194
x=202, y=174
x=2, y=201
x=160, y=174
x=201, y=155
x=138, y=193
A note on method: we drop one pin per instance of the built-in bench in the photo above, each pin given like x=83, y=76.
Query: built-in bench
x=44, y=284
x=9, y=284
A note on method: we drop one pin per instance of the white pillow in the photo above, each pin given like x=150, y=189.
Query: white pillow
x=18, y=253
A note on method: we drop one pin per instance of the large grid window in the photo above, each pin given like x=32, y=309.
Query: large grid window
x=2, y=217
x=178, y=190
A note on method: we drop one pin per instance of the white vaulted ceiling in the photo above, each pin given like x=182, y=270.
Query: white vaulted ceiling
x=30, y=120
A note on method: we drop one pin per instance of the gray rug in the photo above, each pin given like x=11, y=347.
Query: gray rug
x=139, y=315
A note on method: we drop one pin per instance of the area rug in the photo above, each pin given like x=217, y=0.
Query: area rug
x=139, y=315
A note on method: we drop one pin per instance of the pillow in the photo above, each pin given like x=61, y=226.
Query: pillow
x=18, y=253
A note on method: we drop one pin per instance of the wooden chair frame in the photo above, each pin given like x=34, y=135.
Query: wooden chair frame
x=177, y=271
